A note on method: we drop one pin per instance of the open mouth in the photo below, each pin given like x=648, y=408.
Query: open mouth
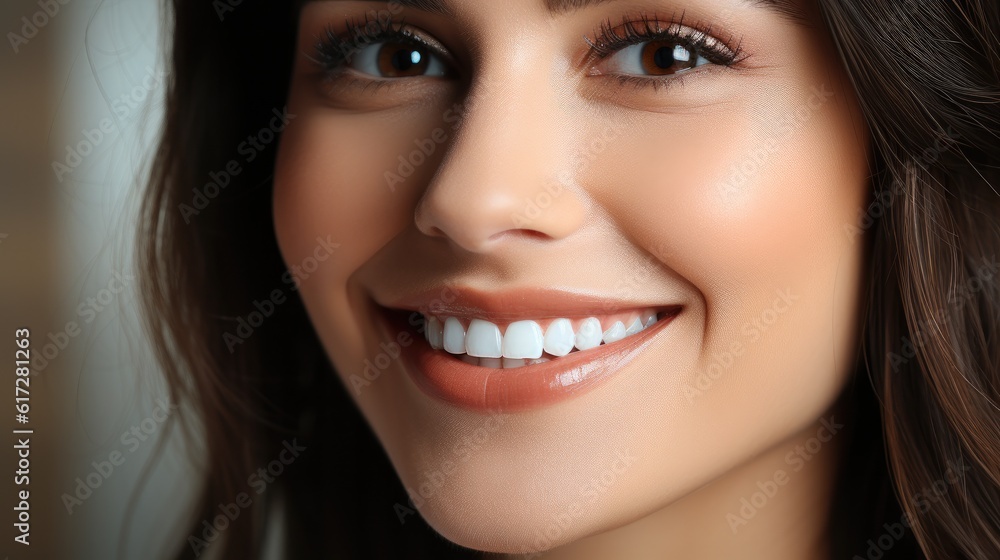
x=517, y=344
x=495, y=358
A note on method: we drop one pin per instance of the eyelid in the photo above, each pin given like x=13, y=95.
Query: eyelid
x=721, y=51
x=332, y=46
x=430, y=42
x=610, y=38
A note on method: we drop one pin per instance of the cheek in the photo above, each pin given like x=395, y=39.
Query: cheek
x=754, y=207
x=317, y=194
x=329, y=180
x=358, y=176
x=338, y=175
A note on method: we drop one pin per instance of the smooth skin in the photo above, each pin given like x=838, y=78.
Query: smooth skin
x=730, y=190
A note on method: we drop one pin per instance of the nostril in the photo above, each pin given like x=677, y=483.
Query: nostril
x=525, y=233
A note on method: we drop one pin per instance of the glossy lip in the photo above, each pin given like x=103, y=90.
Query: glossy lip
x=447, y=378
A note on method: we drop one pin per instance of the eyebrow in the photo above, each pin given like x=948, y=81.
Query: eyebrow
x=791, y=9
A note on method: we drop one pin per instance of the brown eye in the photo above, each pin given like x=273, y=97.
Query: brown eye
x=661, y=58
x=652, y=58
x=398, y=59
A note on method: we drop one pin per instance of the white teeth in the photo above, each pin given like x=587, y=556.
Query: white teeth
x=615, y=333
x=559, y=338
x=454, y=336
x=523, y=339
x=523, y=342
x=589, y=334
x=483, y=339
x=434, y=331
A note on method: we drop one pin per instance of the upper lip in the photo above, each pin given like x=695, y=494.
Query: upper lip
x=514, y=304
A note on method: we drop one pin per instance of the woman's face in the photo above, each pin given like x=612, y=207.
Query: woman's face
x=526, y=175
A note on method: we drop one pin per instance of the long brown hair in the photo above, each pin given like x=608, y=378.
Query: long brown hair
x=926, y=446
x=928, y=78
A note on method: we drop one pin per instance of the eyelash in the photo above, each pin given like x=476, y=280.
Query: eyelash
x=334, y=49
x=610, y=39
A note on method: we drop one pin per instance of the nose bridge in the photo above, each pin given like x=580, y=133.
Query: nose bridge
x=505, y=157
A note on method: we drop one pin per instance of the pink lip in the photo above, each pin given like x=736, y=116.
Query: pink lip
x=447, y=378
x=512, y=305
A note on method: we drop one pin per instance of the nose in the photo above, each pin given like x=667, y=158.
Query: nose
x=507, y=175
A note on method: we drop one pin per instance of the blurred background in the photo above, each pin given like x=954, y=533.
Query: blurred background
x=82, y=95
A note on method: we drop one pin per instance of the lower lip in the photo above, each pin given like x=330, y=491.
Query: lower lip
x=446, y=377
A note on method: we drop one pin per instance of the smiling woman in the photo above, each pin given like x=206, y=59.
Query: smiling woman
x=629, y=279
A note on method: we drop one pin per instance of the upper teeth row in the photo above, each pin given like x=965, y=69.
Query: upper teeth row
x=525, y=339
